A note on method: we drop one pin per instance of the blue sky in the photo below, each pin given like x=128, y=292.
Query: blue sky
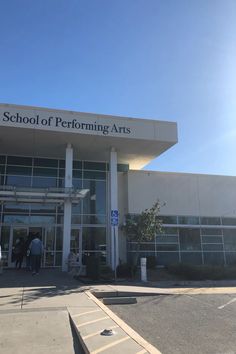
x=171, y=60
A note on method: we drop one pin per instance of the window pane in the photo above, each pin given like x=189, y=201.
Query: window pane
x=122, y=167
x=229, y=221
x=77, y=174
x=194, y=258
x=164, y=239
x=230, y=258
x=18, y=181
x=190, y=220
x=165, y=258
x=94, y=238
x=168, y=219
x=211, y=231
x=212, y=247
x=230, y=239
x=59, y=238
x=15, y=219
x=169, y=231
x=47, y=172
x=213, y=258
x=18, y=170
x=77, y=165
x=210, y=221
x=19, y=160
x=95, y=200
x=2, y=160
x=45, y=162
x=94, y=219
x=211, y=239
x=148, y=246
x=189, y=239
x=42, y=219
x=62, y=163
x=77, y=183
x=43, y=182
x=5, y=238
x=168, y=247
x=100, y=166
x=94, y=175
x=16, y=208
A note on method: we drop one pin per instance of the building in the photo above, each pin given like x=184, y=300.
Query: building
x=66, y=174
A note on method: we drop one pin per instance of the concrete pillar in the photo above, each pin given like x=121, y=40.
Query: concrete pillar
x=114, y=206
x=67, y=209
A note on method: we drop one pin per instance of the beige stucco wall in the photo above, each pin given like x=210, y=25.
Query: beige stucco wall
x=184, y=194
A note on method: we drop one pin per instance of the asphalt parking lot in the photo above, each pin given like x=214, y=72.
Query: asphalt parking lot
x=184, y=324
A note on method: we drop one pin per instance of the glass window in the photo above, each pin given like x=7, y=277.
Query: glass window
x=62, y=173
x=94, y=175
x=168, y=247
x=76, y=208
x=76, y=219
x=19, y=170
x=99, y=166
x=15, y=219
x=77, y=165
x=168, y=219
x=59, y=238
x=5, y=238
x=229, y=221
x=230, y=239
x=94, y=238
x=45, y=162
x=189, y=220
x=77, y=183
x=210, y=221
x=95, y=201
x=212, y=247
x=77, y=174
x=166, y=258
x=169, y=231
x=213, y=258
x=50, y=239
x=37, y=208
x=42, y=219
x=47, y=172
x=194, y=258
x=211, y=239
x=16, y=208
x=147, y=246
x=190, y=239
x=62, y=163
x=122, y=167
x=165, y=239
x=230, y=258
x=19, y=160
x=2, y=169
x=2, y=160
x=94, y=219
x=58, y=259
x=44, y=182
x=211, y=231
x=18, y=181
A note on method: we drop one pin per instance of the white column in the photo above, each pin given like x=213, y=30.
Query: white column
x=67, y=209
x=114, y=206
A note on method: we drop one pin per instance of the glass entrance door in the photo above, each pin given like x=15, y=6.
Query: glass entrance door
x=18, y=235
x=76, y=243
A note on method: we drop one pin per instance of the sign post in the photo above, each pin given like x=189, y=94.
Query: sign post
x=114, y=223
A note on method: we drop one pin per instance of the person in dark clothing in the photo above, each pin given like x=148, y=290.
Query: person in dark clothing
x=27, y=251
x=18, y=252
x=36, y=250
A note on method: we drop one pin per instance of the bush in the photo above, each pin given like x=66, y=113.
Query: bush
x=203, y=272
x=125, y=270
x=93, y=267
x=151, y=262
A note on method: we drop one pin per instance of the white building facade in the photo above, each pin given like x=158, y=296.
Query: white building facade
x=62, y=174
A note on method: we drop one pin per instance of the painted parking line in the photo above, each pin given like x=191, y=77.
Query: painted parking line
x=87, y=312
x=142, y=352
x=93, y=321
x=110, y=345
x=227, y=303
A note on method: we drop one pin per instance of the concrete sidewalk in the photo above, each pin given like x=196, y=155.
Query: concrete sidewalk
x=36, y=312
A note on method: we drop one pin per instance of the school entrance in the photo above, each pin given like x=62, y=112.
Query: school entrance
x=51, y=236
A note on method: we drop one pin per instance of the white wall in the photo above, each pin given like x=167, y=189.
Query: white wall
x=184, y=194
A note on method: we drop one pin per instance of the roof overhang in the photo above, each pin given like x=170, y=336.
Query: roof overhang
x=34, y=131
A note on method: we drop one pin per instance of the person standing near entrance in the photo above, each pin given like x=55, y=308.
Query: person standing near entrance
x=36, y=251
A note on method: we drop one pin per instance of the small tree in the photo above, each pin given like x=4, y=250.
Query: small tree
x=143, y=227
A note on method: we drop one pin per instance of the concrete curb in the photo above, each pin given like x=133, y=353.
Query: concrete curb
x=134, y=343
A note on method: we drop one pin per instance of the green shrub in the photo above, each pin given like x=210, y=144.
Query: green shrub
x=126, y=270
x=151, y=262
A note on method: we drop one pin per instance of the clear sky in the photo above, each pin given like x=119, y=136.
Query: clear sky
x=171, y=60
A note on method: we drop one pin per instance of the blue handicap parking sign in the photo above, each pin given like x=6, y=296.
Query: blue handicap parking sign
x=114, y=217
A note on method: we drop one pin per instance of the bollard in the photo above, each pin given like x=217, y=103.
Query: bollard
x=143, y=262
